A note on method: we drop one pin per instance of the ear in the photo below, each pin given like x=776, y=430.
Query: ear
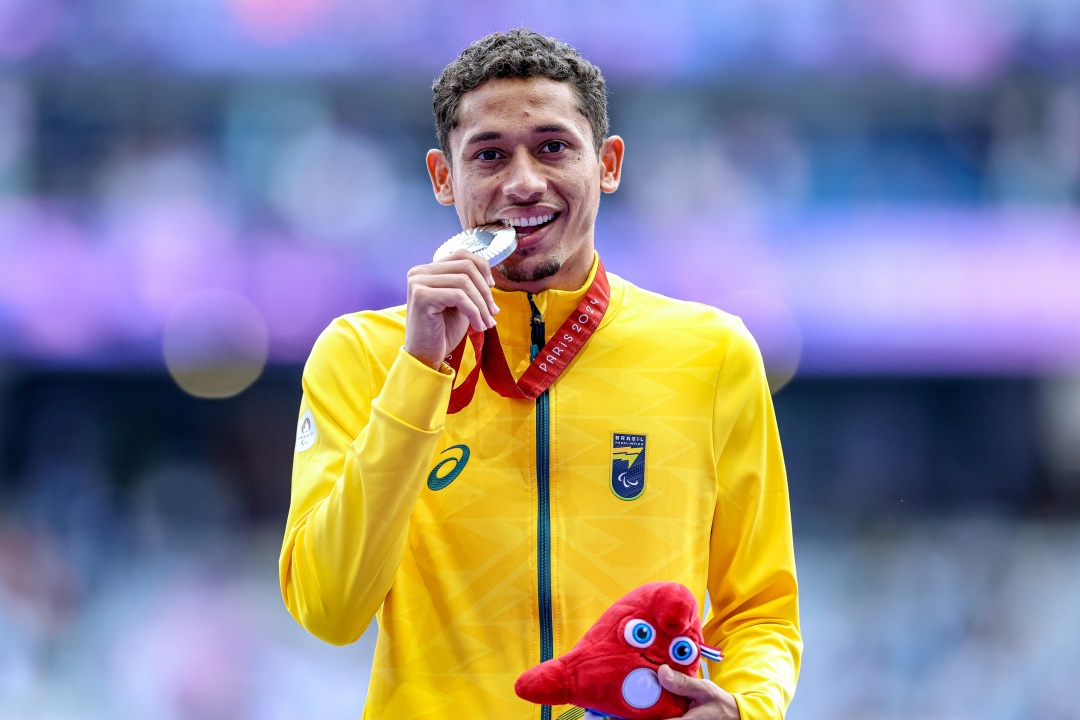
x=611, y=155
x=441, y=182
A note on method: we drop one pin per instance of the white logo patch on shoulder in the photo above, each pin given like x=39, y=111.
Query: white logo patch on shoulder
x=306, y=433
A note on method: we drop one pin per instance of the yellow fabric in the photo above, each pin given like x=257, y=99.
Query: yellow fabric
x=452, y=574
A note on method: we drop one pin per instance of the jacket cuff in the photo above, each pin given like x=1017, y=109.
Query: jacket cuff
x=755, y=706
x=416, y=394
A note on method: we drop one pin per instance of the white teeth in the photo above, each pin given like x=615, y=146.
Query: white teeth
x=529, y=222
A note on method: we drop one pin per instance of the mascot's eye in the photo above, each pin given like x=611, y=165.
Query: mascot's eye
x=639, y=633
x=683, y=650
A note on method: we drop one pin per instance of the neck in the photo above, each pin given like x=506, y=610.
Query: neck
x=554, y=304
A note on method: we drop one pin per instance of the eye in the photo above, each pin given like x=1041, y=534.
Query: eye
x=639, y=633
x=488, y=155
x=553, y=146
x=683, y=650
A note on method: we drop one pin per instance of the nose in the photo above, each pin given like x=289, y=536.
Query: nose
x=524, y=180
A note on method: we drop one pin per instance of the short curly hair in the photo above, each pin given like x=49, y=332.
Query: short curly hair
x=521, y=54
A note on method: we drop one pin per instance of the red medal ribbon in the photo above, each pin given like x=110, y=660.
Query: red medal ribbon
x=545, y=369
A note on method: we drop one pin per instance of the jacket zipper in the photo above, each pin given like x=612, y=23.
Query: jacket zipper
x=543, y=523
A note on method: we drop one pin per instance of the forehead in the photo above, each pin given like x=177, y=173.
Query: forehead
x=508, y=105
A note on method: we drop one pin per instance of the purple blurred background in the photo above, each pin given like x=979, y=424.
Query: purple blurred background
x=887, y=192
x=877, y=187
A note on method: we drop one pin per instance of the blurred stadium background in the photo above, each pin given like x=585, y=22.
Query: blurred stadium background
x=887, y=192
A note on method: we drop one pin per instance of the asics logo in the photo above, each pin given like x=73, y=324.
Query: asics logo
x=440, y=476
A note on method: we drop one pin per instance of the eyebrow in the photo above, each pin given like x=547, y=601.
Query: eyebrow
x=555, y=128
x=539, y=130
x=482, y=137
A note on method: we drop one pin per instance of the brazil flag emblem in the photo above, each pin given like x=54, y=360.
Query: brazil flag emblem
x=627, y=465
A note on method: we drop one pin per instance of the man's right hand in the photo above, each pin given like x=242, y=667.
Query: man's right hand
x=445, y=298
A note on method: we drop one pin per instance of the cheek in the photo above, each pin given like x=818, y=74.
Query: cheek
x=471, y=206
x=587, y=196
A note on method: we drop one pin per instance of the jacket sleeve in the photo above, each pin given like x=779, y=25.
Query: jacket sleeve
x=754, y=613
x=354, y=488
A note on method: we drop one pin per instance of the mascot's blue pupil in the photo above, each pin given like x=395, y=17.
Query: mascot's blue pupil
x=641, y=632
x=682, y=651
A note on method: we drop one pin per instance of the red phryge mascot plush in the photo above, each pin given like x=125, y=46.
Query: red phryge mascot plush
x=612, y=669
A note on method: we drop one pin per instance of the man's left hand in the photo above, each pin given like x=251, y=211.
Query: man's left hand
x=707, y=700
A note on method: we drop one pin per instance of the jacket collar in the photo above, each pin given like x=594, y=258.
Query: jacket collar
x=515, y=314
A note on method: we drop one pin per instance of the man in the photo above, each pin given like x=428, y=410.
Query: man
x=487, y=532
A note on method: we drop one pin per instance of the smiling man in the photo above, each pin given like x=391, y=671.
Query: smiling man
x=617, y=437
x=526, y=156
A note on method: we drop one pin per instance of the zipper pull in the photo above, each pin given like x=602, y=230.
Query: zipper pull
x=537, y=322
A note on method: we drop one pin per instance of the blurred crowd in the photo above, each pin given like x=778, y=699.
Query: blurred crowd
x=886, y=186
x=969, y=618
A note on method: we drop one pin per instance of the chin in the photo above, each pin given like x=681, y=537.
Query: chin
x=531, y=270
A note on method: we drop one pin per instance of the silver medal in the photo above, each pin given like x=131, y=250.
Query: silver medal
x=494, y=243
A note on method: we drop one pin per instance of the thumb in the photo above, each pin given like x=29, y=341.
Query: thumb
x=686, y=686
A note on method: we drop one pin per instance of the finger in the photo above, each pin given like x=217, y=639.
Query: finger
x=481, y=264
x=479, y=271
x=463, y=262
x=686, y=686
x=460, y=268
x=437, y=300
x=462, y=256
x=461, y=283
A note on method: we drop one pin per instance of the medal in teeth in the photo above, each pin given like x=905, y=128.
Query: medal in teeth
x=493, y=243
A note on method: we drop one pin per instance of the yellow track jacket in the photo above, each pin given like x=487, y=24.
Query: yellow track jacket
x=487, y=541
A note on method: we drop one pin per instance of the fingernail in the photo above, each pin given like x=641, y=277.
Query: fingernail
x=496, y=309
x=491, y=324
x=491, y=282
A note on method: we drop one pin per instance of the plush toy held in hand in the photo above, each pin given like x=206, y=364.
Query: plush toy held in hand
x=612, y=669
